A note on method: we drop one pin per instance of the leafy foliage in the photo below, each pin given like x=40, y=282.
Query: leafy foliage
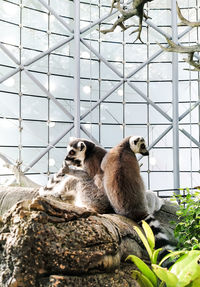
x=188, y=227
x=185, y=272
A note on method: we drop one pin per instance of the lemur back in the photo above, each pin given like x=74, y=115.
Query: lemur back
x=123, y=183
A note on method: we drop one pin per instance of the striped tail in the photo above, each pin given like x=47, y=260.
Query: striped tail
x=161, y=239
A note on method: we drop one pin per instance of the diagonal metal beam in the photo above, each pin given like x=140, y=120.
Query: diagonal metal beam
x=36, y=58
x=189, y=110
x=53, y=12
x=149, y=101
x=190, y=137
x=99, y=56
x=35, y=80
x=48, y=148
x=162, y=135
x=102, y=99
x=89, y=134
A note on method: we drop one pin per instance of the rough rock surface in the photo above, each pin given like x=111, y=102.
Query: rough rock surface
x=45, y=242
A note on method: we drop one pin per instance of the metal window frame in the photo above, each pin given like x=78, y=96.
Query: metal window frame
x=76, y=34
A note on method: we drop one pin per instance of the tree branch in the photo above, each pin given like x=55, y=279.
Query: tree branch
x=136, y=10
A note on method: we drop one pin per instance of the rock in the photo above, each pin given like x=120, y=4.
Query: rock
x=45, y=242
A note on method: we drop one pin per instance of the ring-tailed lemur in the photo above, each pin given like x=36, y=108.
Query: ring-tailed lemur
x=87, y=188
x=124, y=185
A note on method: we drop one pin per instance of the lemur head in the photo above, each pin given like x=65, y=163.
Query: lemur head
x=137, y=145
x=77, y=151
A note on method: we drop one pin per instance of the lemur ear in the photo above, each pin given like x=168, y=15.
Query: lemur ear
x=81, y=146
x=136, y=141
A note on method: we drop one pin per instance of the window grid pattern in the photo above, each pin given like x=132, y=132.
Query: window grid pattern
x=31, y=120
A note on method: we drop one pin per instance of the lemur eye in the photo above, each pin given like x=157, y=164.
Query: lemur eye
x=142, y=146
x=72, y=152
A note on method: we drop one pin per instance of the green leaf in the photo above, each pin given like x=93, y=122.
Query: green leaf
x=196, y=283
x=155, y=255
x=149, y=234
x=165, y=275
x=146, y=271
x=141, y=279
x=144, y=240
x=186, y=268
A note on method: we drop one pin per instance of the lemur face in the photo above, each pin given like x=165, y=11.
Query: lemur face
x=137, y=145
x=76, y=152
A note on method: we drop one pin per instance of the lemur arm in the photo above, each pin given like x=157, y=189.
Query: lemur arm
x=76, y=172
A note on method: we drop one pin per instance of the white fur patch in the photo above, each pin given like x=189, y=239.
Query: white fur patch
x=134, y=148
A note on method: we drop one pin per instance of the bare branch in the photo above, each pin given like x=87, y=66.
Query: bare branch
x=136, y=10
x=184, y=21
x=190, y=50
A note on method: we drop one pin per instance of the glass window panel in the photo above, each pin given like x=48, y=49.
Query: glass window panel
x=4, y=59
x=107, y=73
x=35, y=4
x=156, y=131
x=57, y=156
x=89, y=69
x=65, y=49
x=62, y=87
x=63, y=7
x=156, y=117
x=92, y=117
x=107, y=86
x=132, y=96
x=188, y=179
x=136, y=130
x=160, y=71
x=29, y=154
x=112, y=113
x=59, y=129
x=35, y=19
x=56, y=114
x=135, y=54
x=160, y=91
x=188, y=90
x=34, y=39
x=161, y=180
x=91, y=129
x=9, y=33
x=189, y=159
x=111, y=135
x=161, y=160
x=61, y=65
x=193, y=116
x=9, y=132
x=34, y=108
x=89, y=12
x=9, y=105
x=30, y=87
x=136, y=113
x=11, y=84
x=112, y=51
x=34, y=133
x=40, y=65
x=89, y=90
x=57, y=27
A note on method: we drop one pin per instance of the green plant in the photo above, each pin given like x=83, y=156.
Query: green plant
x=188, y=226
x=185, y=272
